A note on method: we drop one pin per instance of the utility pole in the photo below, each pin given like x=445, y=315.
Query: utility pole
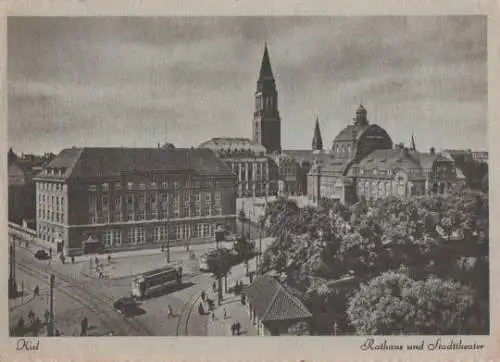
x=50, y=331
x=12, y=272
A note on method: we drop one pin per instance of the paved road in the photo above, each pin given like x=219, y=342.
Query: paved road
x=78, y=295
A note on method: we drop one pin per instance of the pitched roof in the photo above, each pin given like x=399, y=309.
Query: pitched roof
x=317, y=142
x=399, y=158
x=349, y=133
x=272, y=301
x=111, y=162
x=265, y=67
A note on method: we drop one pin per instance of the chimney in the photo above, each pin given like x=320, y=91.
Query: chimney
x=158, y=145
x=432, y=151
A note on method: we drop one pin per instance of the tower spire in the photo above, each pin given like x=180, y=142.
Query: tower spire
x=317, y=143
x=412, y=143
x=265, y=67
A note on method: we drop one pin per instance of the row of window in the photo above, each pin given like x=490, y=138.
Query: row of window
x=151, y=202
x=341, y=149
x=49, y=233
x=102, y=217
x=49, y=215
x=50, y=202
x=49, y=186
x=157, y=234
x=380, y=188
x=162, y=184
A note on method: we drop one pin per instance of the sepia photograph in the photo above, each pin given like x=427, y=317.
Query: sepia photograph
x=232, y=176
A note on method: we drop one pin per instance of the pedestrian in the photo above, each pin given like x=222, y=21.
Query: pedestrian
x=162, y=248
x=170, y=313
x=238, y=327
x=72, y=260
x=233, y=328
x=36, y=291
x=203, y=295
x=213, y=315
x=96, y=260
x=225, y=313
x=50, y=252
x=214, y=286
x=109, y=258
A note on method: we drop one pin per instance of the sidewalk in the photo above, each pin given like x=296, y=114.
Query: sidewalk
x=235, y=312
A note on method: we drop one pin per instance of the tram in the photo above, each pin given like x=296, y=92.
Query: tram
x=152, y=281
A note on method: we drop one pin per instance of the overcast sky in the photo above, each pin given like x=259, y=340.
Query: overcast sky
x=143, y=81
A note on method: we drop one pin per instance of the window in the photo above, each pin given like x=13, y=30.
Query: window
x=105, y=202
x=208, y=196
x=164, y=185
x=106, y=237
x=117, y=237
x=176, y=184
x=130, y=236
x=130, y=185
x=130, y=201
x=140, y=235
x=206, y=210
x=92, y=218
x=206, y=229
x=176, y=206
x=118, y=186
x=92, y=188
x=105, y=187
x=92, y=201
x=199, y=230
x=178, y=232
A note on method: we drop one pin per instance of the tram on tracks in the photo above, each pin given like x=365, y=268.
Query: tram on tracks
x=155, y=280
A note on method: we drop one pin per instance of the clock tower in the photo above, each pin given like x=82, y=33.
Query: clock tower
x=266, y=119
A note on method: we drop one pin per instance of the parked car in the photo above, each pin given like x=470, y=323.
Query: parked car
x=125, y=303
x=42, y=255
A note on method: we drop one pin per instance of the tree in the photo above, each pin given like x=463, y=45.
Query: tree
x=20, y=326
x=245, y=249
x=219, y=263
x=242, y=217
x=393, y=303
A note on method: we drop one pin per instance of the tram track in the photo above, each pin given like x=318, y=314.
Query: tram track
x=101, y=306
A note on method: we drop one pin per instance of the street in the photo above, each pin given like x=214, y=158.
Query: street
x=79, y=293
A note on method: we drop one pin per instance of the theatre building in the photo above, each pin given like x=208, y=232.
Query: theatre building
x=131, y=198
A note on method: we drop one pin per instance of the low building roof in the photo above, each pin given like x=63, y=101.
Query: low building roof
x=272, y=302
x=399, y=158
x=300, y=155
x=112, y=162
x=233, y=144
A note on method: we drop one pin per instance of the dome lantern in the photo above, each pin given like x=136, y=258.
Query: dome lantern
x=361, y=114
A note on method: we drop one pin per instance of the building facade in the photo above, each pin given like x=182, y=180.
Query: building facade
x=248, y=161
x=22, y=192
x=364, y=163
x=128, y=198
